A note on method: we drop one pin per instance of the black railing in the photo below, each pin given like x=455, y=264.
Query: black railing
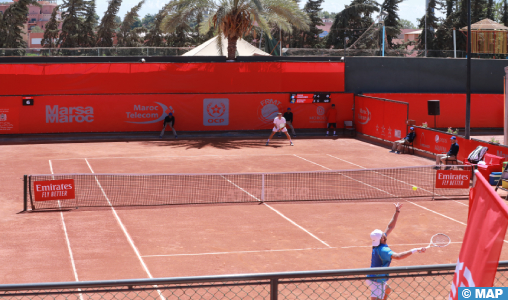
x=413, y=282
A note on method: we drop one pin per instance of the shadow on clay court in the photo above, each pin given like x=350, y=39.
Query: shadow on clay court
x=220, y=144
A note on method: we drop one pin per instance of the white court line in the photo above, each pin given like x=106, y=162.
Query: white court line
x=388, y=192
x=281, y=250
x=415, y=203
x=175, y=156
x=127, y=235
x=396, y=179
x=279, y=213
x=67, y=238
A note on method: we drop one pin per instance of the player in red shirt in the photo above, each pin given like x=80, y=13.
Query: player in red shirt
x=331, y=117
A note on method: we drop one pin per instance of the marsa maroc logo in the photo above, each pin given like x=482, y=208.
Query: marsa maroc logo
x=77, y=114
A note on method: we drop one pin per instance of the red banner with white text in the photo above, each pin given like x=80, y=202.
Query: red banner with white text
x=483, y=240
x=439, y=142
x=193, y=112
x=380, y=118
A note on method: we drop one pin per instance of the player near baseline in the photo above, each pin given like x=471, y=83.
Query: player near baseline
x=279, y=124
x=382, y=256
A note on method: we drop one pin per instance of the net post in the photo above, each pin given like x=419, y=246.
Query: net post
x=25, y=195
x=30, y=191
x=262, y=187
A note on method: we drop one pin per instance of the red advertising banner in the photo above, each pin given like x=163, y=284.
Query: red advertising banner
x=9, y=118
x=483, y=240
x=54, y=190
x=162, y=78
x=382, y=119
x=193, y=112
x=486, y=109
x=439, y=142
x=451, y=179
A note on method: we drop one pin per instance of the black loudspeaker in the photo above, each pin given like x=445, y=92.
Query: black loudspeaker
x=433, y=107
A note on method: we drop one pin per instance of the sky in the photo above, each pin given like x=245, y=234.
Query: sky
x=409, y=9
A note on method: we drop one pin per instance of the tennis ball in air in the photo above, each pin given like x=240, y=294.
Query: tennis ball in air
x=414, y=188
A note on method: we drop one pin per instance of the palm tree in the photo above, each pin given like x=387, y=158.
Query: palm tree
x=233, y=19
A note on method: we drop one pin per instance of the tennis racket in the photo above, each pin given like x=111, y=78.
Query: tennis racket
x=281, y=126
x=439, y=240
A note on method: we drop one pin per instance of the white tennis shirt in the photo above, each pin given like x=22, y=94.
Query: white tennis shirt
x=277, y=122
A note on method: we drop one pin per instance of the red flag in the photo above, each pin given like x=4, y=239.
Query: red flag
x=483, y=240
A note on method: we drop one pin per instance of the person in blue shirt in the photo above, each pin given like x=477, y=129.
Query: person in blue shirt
x=397, y=145
x=451, y=154
x=382, y=256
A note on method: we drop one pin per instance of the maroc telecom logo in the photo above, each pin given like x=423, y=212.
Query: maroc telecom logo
x=268, y=109
x=154, y=113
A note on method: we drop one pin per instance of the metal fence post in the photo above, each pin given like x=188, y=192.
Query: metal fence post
x=25, y=198
x=274, y=288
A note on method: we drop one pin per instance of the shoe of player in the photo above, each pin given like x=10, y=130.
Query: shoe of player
x=398, y=152
x=176, y=136
x=292, y=144
x=160, y=136
x=391, y=151
x=267, y=143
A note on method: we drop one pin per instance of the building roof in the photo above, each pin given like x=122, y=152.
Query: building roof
x=403, y=32
x=419, y=31
x=486, y=24
x=210, y=48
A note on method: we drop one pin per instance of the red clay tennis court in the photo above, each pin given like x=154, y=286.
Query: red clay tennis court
x=109, y=243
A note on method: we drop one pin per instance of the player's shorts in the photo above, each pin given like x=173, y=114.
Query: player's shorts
x=275, y=129
x=330, y=125
x=377, y=289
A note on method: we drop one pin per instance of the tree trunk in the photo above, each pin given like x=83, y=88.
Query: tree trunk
x=232, y=47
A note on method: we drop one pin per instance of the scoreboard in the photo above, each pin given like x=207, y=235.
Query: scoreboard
x=309, y=98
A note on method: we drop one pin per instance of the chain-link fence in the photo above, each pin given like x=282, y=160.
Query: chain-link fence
x=419, y=282
x=98, y=52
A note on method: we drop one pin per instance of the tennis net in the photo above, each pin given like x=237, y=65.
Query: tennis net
x=103, y=190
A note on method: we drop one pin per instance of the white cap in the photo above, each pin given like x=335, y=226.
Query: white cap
x=376, y=236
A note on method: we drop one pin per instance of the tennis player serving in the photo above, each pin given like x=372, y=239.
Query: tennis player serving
x=382, y=256
x=279, y=124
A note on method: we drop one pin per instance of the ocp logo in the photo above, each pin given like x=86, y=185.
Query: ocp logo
x=216, y=112
x=320, y=110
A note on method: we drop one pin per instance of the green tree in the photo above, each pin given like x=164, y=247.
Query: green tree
x=311, y=36
x=449, y=7
x=73, y=12
x=155, y=36
x=432, y=23
x=478, y=10
x=3, y=31
x=88, y=38
x=351, y=23
x=391, y=22
x=406, y=24
x=51, y=31
x=36, y=29
x=14, y=18
x=490, y=9
x=128, y=37
x=108, y=26
x=137, y=23
x=504, y=15
x=148, y=21
x=235, y=18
